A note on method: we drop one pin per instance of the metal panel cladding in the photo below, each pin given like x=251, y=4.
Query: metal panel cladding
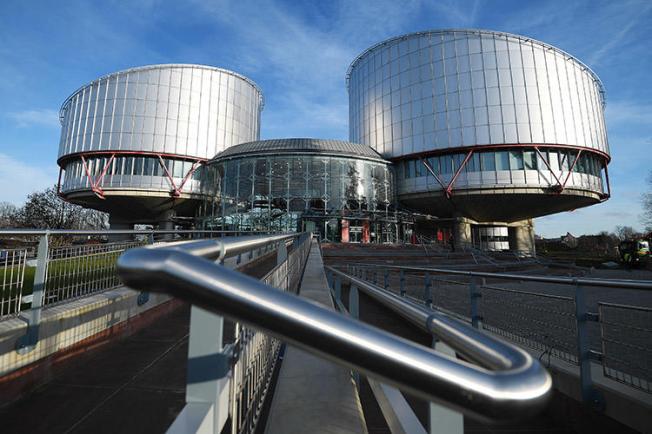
x=460, y=88
x=184, y=110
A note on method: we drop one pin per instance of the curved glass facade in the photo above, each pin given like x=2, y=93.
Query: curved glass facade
x=133, y=172
x=504, y=167
x=282, y=192
x=445, y=89
x=186, y=110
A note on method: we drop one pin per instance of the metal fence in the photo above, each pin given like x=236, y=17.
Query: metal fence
x=61, y=265
x=12, y=276
x=79, y=270
x=552, y=324
x=626, y=334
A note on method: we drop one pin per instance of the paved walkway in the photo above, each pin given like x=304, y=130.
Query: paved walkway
x=313, y=395
x=133, y=385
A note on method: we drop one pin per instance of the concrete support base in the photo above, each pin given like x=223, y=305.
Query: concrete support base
x=462, y=233
x=119, y=224
x=521, y=237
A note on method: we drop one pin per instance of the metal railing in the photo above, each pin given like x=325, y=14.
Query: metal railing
x=618, y=337
x=12, y=275
x=520, y=390
x=54, y=266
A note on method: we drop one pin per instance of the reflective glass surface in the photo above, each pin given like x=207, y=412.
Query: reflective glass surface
x=274, y=192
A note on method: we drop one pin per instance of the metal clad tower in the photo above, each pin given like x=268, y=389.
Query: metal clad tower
x=487, y=126
x=133, y=142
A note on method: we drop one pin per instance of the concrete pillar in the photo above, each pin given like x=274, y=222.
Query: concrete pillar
x=461, y=233
x=166, y=223
x=521, y=237
x=117, y=223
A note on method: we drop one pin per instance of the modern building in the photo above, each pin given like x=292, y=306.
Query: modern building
x=342, y=190
x=458, y=135
x=486, y=130
x=133, y=142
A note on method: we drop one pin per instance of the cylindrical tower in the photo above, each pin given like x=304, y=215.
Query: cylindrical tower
x=485, y=125
x=133, y=142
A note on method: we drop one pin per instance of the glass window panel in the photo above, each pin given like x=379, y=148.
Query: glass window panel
x=138, y=167
x=516, y=160
x=434, y=164
x=410, y=173
x=473, y=165
x=178, y=169
x=488, y=161
x=129, y=163
x=530, y=160
x=148, y=166
x=502, y=160
x=446, y=164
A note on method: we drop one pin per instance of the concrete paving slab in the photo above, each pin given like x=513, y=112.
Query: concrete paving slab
x=314, y=395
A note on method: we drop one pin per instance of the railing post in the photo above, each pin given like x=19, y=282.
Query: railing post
x=589, y=394
x=402, y=283
x=442, y=420
x=474, y=296
x=208, y=364
x=427, y=293
x=386, y=279
x=354, y=311
x=375, y=277
x=27, y=342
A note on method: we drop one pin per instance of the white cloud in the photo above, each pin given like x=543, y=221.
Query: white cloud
x=619, y=37
x=306, y=62
x=37, y=117
x=628, y=112
x=18, y=179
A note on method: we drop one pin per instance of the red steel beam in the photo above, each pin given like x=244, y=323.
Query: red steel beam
x=570, y=170
x=188, y=175
x=432, y=172
x=536, y=148
x=168, y=176
x=449, y=189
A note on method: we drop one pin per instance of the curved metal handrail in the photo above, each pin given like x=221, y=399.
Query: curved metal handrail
x=520, y=392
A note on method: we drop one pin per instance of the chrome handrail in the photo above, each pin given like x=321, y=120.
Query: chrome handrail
x=473, y=390
x=609, y=283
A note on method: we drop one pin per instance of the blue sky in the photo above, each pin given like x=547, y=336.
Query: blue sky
x=298, y=52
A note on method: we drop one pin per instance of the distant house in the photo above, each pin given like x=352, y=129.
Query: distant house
x=569, y=240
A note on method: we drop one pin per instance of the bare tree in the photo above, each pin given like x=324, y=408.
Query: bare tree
x=8, y=213
x=626, y=233
x=647, y=204
x=46, y=210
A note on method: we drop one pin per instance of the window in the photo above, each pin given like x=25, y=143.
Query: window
x=129, y=163
x=446, y=163
x=530, y=160
x=434, y=164
x=564, y=164
x=138, y=167
x=516, y=160
x=488, y=160
x=178, y=169
x=410, y=169
x=148, y=166
x=421, y=168
x=502, y=160
x=473, y=165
